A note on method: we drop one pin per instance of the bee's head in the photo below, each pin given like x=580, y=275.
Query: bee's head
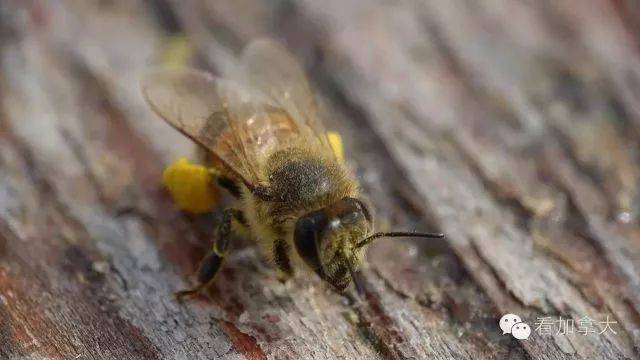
x=331, y=240
x=327, y=240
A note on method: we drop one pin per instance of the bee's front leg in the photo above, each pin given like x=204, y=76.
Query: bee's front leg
x=212, y=262
x=282, y=259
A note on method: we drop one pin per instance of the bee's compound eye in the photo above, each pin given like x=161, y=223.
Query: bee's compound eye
x=305, y=229
x=307, y=235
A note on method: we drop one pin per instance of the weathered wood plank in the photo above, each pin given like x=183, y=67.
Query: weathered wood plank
x=472, y=124
x=510, y=126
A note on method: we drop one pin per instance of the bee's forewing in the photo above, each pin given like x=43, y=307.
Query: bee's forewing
x=199, y=105
x=261, y=109
x=270, y=69
x=184, y=98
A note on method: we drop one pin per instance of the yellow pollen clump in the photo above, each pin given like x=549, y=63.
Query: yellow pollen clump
x=335, y=140
x=177, y=51
x=191, y=186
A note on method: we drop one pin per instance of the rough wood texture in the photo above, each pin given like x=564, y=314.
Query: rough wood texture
x=511, y=126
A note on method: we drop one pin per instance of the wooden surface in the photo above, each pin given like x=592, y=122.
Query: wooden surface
x=511, y=126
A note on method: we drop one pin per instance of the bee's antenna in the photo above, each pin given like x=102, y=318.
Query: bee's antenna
x=369, y=239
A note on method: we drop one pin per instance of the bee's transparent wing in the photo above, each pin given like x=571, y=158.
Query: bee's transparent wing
x=269, y=68
x=214, y=113
x=257, y=128
x=239, y=126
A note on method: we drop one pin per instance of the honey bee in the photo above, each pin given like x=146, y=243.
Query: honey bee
x=270, y=151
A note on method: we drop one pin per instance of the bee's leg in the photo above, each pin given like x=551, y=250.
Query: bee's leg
x=212, y=262
x=281, y=258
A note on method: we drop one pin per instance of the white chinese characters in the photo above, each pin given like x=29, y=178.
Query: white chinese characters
x=553, y=326
x=563, y=326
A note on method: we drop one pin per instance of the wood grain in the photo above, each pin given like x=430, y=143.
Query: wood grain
x=513, y=127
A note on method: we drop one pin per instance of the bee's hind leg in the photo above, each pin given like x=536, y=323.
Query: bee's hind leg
x=208, y=269
x=212, y=262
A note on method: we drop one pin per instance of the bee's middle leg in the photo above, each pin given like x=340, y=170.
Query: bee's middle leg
x=282, y=260
x=212, y=262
